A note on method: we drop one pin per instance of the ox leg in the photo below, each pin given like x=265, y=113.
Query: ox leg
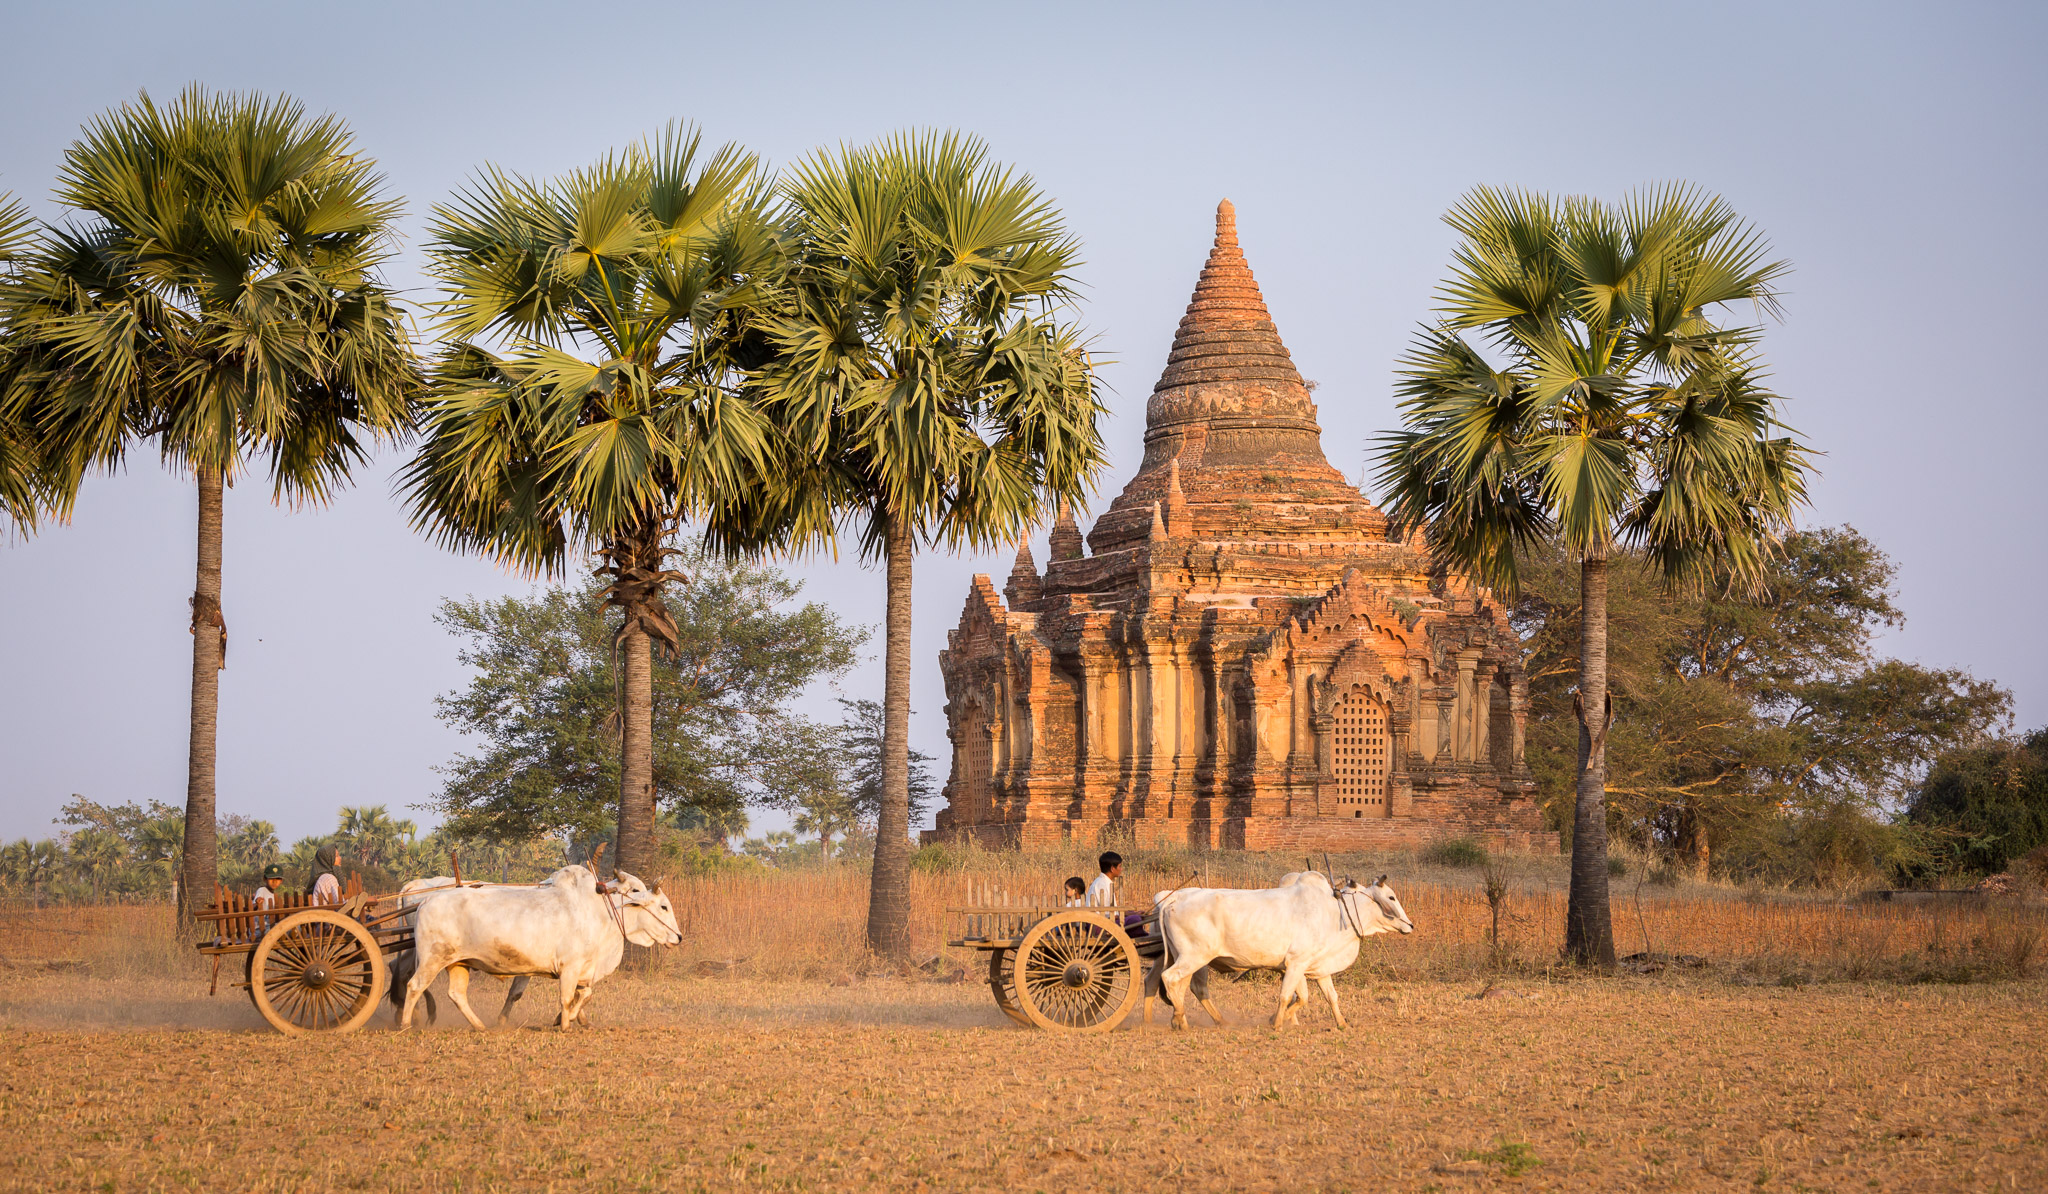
x=402, y=965
x=1153, y=986
x=458, y=993
x=580, y=1012
x=1200, y=989
x=1330, y=993
x=422, y=977
x=1291, y=985
x=570, y=985
x=513, y=994
x=1175, y=982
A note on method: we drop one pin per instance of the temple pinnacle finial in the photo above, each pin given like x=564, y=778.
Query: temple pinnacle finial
x=1023, y=584
x=1065, y=541
x=1226, y=223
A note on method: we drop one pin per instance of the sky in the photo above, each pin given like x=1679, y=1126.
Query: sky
x=1893, y=154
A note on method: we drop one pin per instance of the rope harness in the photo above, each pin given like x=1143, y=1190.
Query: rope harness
x=618, y=914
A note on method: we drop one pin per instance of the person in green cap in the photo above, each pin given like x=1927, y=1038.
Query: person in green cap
x=325, y=885
x=266, y=894
x=264, y=899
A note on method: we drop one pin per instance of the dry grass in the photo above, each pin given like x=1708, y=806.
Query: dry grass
x=1631, y=1083
x=808, y=924
x=118, y=1073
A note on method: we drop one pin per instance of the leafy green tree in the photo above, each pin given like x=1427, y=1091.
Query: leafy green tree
x=216, y=297
x=1986, y=804
x=1761, y=725
x=246, y=847
x=1622, y=416
x=926, y=375
x=833, y=781
x=542, y=701
x=592, y=395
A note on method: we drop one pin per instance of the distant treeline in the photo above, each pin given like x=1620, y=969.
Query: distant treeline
x=123, y=852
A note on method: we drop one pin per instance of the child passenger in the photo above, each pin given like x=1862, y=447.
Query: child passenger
x=1102, y=892
x=1077, y=893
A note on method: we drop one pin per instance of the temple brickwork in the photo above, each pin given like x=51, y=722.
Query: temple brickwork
x=1240, y=656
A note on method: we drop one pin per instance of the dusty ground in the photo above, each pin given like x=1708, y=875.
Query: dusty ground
x=1630, y=1083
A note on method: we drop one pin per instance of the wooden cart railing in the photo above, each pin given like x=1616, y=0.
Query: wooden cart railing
x=312, y=966
x=1053, y=965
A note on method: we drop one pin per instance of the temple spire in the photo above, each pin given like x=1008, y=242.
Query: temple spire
x=1023, y=585
x=1065, y=542
x=1227, y=334
x=1176, y=502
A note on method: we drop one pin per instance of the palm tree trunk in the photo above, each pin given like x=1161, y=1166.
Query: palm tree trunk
x=1589, y=926
x=635, y=850
x=889, y=884
x=209, y=656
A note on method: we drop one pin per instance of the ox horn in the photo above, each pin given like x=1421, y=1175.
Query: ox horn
x=1380, y=882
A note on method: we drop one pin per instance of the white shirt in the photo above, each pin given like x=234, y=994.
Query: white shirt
x=263, y=897
x=1102, y=892
x=327, y=889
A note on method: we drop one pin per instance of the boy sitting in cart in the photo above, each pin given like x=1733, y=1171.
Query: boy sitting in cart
x=1077, y=892
x=1102, y=892
x=264, y=899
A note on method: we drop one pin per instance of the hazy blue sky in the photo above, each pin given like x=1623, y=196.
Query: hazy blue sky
x=1894, y=153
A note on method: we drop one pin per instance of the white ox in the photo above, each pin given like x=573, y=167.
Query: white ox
x=567, y=927
x=1198, y=986
x=402, y=963
x=1304, y=929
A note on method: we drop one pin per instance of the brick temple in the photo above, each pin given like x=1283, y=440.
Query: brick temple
x=1241, y=657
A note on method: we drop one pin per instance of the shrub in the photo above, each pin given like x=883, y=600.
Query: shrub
x=1616, y=867
x=1457, y=851
x=935, y=859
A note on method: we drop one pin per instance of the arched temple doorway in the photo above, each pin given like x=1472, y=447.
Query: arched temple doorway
x=1360, y=754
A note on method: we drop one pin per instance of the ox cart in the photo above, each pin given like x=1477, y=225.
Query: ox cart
x=1057, y=967
x=309, y=967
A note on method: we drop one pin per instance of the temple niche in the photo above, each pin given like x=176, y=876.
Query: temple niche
x=1240, y=656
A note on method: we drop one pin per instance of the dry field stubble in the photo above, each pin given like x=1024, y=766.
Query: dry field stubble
x=1683, y=1079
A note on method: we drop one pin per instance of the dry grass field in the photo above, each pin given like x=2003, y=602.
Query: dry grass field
x=1821, y=1046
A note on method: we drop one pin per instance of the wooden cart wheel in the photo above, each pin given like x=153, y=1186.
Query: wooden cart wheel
x=317, y=971
x=1002, y=979
x=1076, y=971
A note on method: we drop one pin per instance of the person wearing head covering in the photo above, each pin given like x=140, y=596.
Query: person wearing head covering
x=325, y=886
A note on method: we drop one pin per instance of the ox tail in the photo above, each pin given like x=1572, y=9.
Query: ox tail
x=1163, y=904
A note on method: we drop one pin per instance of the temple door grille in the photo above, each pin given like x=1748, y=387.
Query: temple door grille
x=977, y=761
x=1360, y=753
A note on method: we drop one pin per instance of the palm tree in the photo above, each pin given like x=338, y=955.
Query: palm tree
x=1622, y=415
x=926, y=379
x=610, y=408
x=370, y=836
x=217, y=297
x=98, y=855
x=25, y=482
